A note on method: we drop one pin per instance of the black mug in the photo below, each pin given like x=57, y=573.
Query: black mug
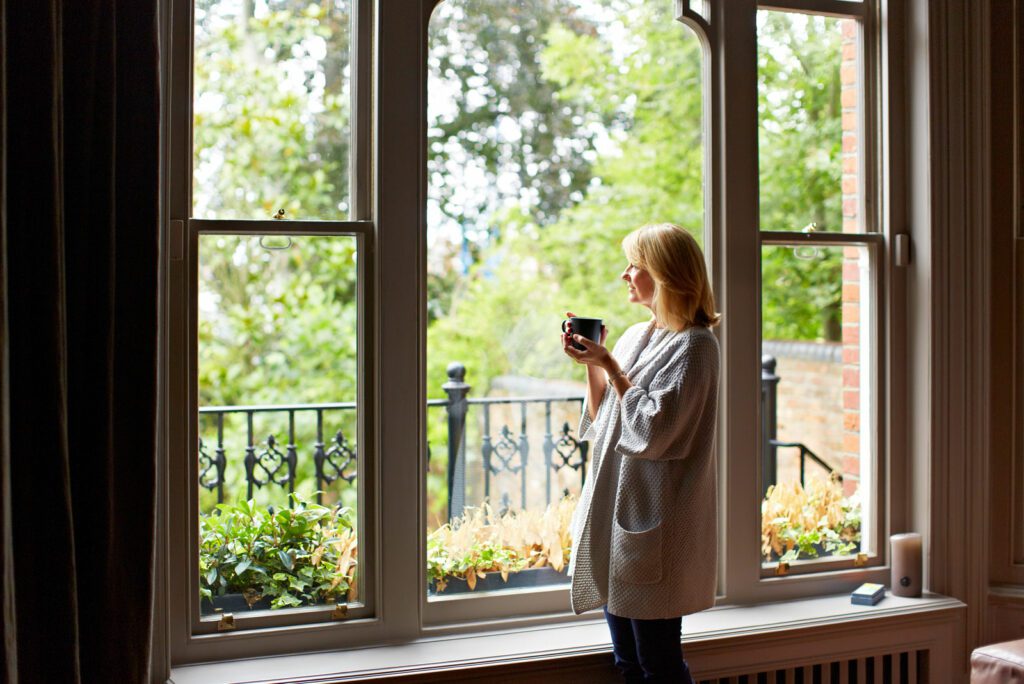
x=587, y=327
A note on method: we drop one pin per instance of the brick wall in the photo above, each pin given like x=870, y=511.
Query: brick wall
x=809, y=404
x=851, y=402
x=819, y=390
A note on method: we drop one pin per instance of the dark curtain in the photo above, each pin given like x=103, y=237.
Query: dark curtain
x=80, y=210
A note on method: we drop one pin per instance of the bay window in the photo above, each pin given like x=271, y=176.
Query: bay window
x=384, y=210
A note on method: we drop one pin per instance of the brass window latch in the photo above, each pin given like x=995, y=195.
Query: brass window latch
x=226, y=622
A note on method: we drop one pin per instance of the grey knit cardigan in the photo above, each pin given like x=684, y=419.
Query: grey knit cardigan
x=645, y=538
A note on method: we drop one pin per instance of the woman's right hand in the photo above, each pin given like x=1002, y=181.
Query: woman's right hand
x=567, y=347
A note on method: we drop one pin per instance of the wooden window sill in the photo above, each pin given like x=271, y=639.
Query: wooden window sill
x=582, y=646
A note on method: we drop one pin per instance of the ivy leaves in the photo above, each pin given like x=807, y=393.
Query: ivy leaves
x=298, y=556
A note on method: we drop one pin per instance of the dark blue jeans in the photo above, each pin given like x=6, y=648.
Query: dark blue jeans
x=648, y=650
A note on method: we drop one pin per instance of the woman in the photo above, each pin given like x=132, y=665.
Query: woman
x=645, y=530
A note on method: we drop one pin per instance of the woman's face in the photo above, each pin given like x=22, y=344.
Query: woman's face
x=641, y=285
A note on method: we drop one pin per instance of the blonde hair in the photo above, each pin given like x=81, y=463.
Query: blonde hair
x=682, y=291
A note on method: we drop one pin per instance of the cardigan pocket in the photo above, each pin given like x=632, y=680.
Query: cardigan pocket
x=636, y=556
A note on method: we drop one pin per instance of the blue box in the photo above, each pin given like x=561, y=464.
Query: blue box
x=867, y=594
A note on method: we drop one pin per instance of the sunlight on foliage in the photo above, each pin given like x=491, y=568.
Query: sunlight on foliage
x=481, y=541
x=797, y=522
x=299, y=556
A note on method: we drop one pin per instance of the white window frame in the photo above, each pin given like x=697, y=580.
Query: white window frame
x=389, y=205
x=192, y=636
x=739, y=285
x=870, y=177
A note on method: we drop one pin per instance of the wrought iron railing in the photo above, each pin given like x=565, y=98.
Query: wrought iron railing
x=770, y=444
x=503, y=450
x=265, y=463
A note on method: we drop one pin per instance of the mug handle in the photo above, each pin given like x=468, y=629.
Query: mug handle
x=563, y=325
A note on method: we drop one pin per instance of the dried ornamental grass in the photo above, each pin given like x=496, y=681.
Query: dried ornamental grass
x=797, y=521
x=480, y=541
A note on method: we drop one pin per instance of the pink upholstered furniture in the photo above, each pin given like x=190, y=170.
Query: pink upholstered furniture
x=998, y=663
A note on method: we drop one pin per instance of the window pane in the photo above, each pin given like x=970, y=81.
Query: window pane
x=555, y=128
x=271, y=109
x=817, y=402
x=278, y=450
x=809, y=81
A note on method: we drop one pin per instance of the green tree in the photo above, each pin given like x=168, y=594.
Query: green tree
x=271, y=108
x=645, y=93
x=499, y=136
x=800, y=140
x=554, y=129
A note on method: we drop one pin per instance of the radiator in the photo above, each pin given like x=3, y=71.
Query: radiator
x=902, y=667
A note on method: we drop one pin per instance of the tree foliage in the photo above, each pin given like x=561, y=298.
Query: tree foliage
x=800, y=143
x=271, y=108
x=555, y=127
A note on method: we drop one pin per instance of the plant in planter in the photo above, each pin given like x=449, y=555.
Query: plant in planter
x=799, y=522
x=299, y=556
x=481, y=542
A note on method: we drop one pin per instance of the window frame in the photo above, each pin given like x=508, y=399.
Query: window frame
x=365, y=482
x=194, y=638
x=745, y=579
x=874, y=244
x=870, y=177
x=447, y=614
x=389, y=211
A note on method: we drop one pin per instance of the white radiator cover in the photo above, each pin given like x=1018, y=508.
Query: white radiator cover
x=898, y=648
x=900, y=667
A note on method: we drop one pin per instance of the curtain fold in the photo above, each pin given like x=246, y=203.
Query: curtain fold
x=79, y=205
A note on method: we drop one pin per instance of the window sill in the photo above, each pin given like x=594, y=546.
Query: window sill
x=584, y=643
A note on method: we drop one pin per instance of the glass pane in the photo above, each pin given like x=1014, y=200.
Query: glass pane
x=556, y=127
x=271, y=106
x=702, y=8
x=278, y=450
x=809, y=111
x=816, y=402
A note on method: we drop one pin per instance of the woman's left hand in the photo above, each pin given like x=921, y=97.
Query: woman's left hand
x=594, y=353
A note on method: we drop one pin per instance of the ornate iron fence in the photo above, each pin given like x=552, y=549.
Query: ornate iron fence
x=504, y=450
x=264, y=461
x=276, y=459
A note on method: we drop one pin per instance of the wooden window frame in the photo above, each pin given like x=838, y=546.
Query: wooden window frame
x=389, y=215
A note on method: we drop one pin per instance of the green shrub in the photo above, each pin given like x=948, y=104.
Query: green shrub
x=298, y=556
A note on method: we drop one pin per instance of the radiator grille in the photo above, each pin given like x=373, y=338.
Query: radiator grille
x=905, y=667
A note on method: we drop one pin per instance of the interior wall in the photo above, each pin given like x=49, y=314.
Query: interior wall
x=1006, y=528
x=950, y=303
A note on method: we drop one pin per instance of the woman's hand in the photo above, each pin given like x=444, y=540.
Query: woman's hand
x=595, y=354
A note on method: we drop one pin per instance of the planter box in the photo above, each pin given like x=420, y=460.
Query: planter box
x=822, y=554
x=531, y=577
x=232, y=603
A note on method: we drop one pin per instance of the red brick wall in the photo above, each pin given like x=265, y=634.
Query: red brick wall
x=849, y=72
x=809, y=404
x=819, y=392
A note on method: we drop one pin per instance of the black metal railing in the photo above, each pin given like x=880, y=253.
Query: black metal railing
x=770, y=444
x=269, y=463
x=265, y=464
x=503, y=451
